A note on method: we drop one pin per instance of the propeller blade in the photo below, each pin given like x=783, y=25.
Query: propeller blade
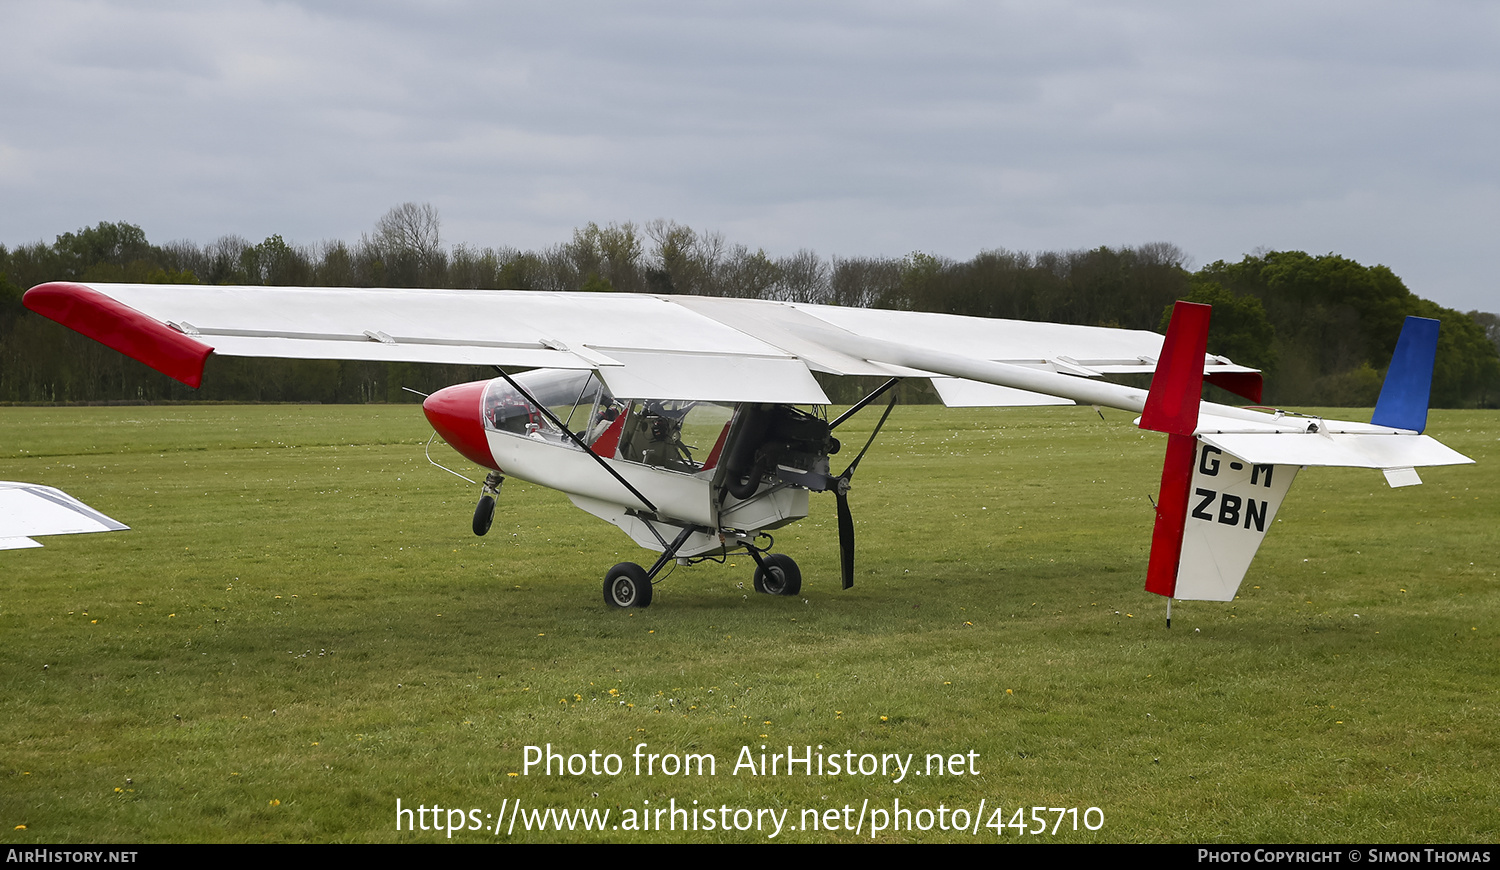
x=846, y=537
x=841, y=485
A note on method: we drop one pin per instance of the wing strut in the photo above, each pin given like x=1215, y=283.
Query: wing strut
x=855, y=408
x=575, y=439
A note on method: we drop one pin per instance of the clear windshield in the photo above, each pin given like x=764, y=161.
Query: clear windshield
x=574, y=397
x=676, y=435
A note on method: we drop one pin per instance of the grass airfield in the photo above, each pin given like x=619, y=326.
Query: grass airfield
x=301, y=630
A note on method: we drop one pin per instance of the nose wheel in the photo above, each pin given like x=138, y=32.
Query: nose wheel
x=484, y=512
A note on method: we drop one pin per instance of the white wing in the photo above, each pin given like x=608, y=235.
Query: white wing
x=671, y=347
x=690, y=347
x=28, y=509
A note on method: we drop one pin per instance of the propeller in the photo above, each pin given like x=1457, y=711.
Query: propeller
x=846, y=530
x=841, y=494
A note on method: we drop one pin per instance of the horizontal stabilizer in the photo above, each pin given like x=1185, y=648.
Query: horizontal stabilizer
x=1338, y=450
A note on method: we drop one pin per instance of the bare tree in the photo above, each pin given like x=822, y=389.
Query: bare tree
x=409, y=243
x=859, y=282
x=409, y=227
x=747, y=276
x=223, y=260
x=686, y=262
x=607, y=258
x=802, y=277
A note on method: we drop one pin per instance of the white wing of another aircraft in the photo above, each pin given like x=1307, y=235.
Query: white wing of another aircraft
x=29, y=509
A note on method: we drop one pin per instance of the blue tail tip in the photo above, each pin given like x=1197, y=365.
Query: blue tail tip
x=1407, y=390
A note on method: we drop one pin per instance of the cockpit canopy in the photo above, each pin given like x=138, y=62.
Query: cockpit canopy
x=672, y=434
x=574, y=397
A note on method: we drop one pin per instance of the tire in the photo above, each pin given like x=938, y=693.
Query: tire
x=484, y=514
x=626, y=585
x=746, y=486
x=779, y=575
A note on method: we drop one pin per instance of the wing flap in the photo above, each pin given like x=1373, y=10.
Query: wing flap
x=1094, y=347
x=964, y=393
x=711, y=377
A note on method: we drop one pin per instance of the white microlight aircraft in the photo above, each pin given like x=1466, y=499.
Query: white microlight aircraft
x=30, y=510
x=682, y=420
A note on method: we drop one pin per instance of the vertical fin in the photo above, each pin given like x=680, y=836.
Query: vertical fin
x=1408, y=382
x=1171, y=515
x=1177, y=386
x=1172, y=407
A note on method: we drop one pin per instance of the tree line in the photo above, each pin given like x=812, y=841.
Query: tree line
x=1322, y=327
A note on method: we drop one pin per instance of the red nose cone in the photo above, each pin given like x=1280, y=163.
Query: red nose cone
x=457, y=415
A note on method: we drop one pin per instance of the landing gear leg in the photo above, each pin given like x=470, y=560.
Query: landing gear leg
x=484, y=512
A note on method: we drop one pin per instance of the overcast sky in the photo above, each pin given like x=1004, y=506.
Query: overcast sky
x=1368, y=129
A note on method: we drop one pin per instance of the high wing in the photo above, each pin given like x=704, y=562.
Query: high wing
x=30, y=509
x=664, y=347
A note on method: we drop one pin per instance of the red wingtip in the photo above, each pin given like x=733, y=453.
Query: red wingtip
x=1247, y=385
x=117, y=325
x=1177, y=387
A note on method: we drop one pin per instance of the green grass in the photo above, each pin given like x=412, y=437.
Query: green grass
x=301, y=615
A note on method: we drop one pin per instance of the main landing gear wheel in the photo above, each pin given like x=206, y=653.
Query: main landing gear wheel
x=626, y=585
x=484, y=514
x=777, y=574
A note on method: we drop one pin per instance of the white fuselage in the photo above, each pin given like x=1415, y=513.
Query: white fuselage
x=680, y=498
